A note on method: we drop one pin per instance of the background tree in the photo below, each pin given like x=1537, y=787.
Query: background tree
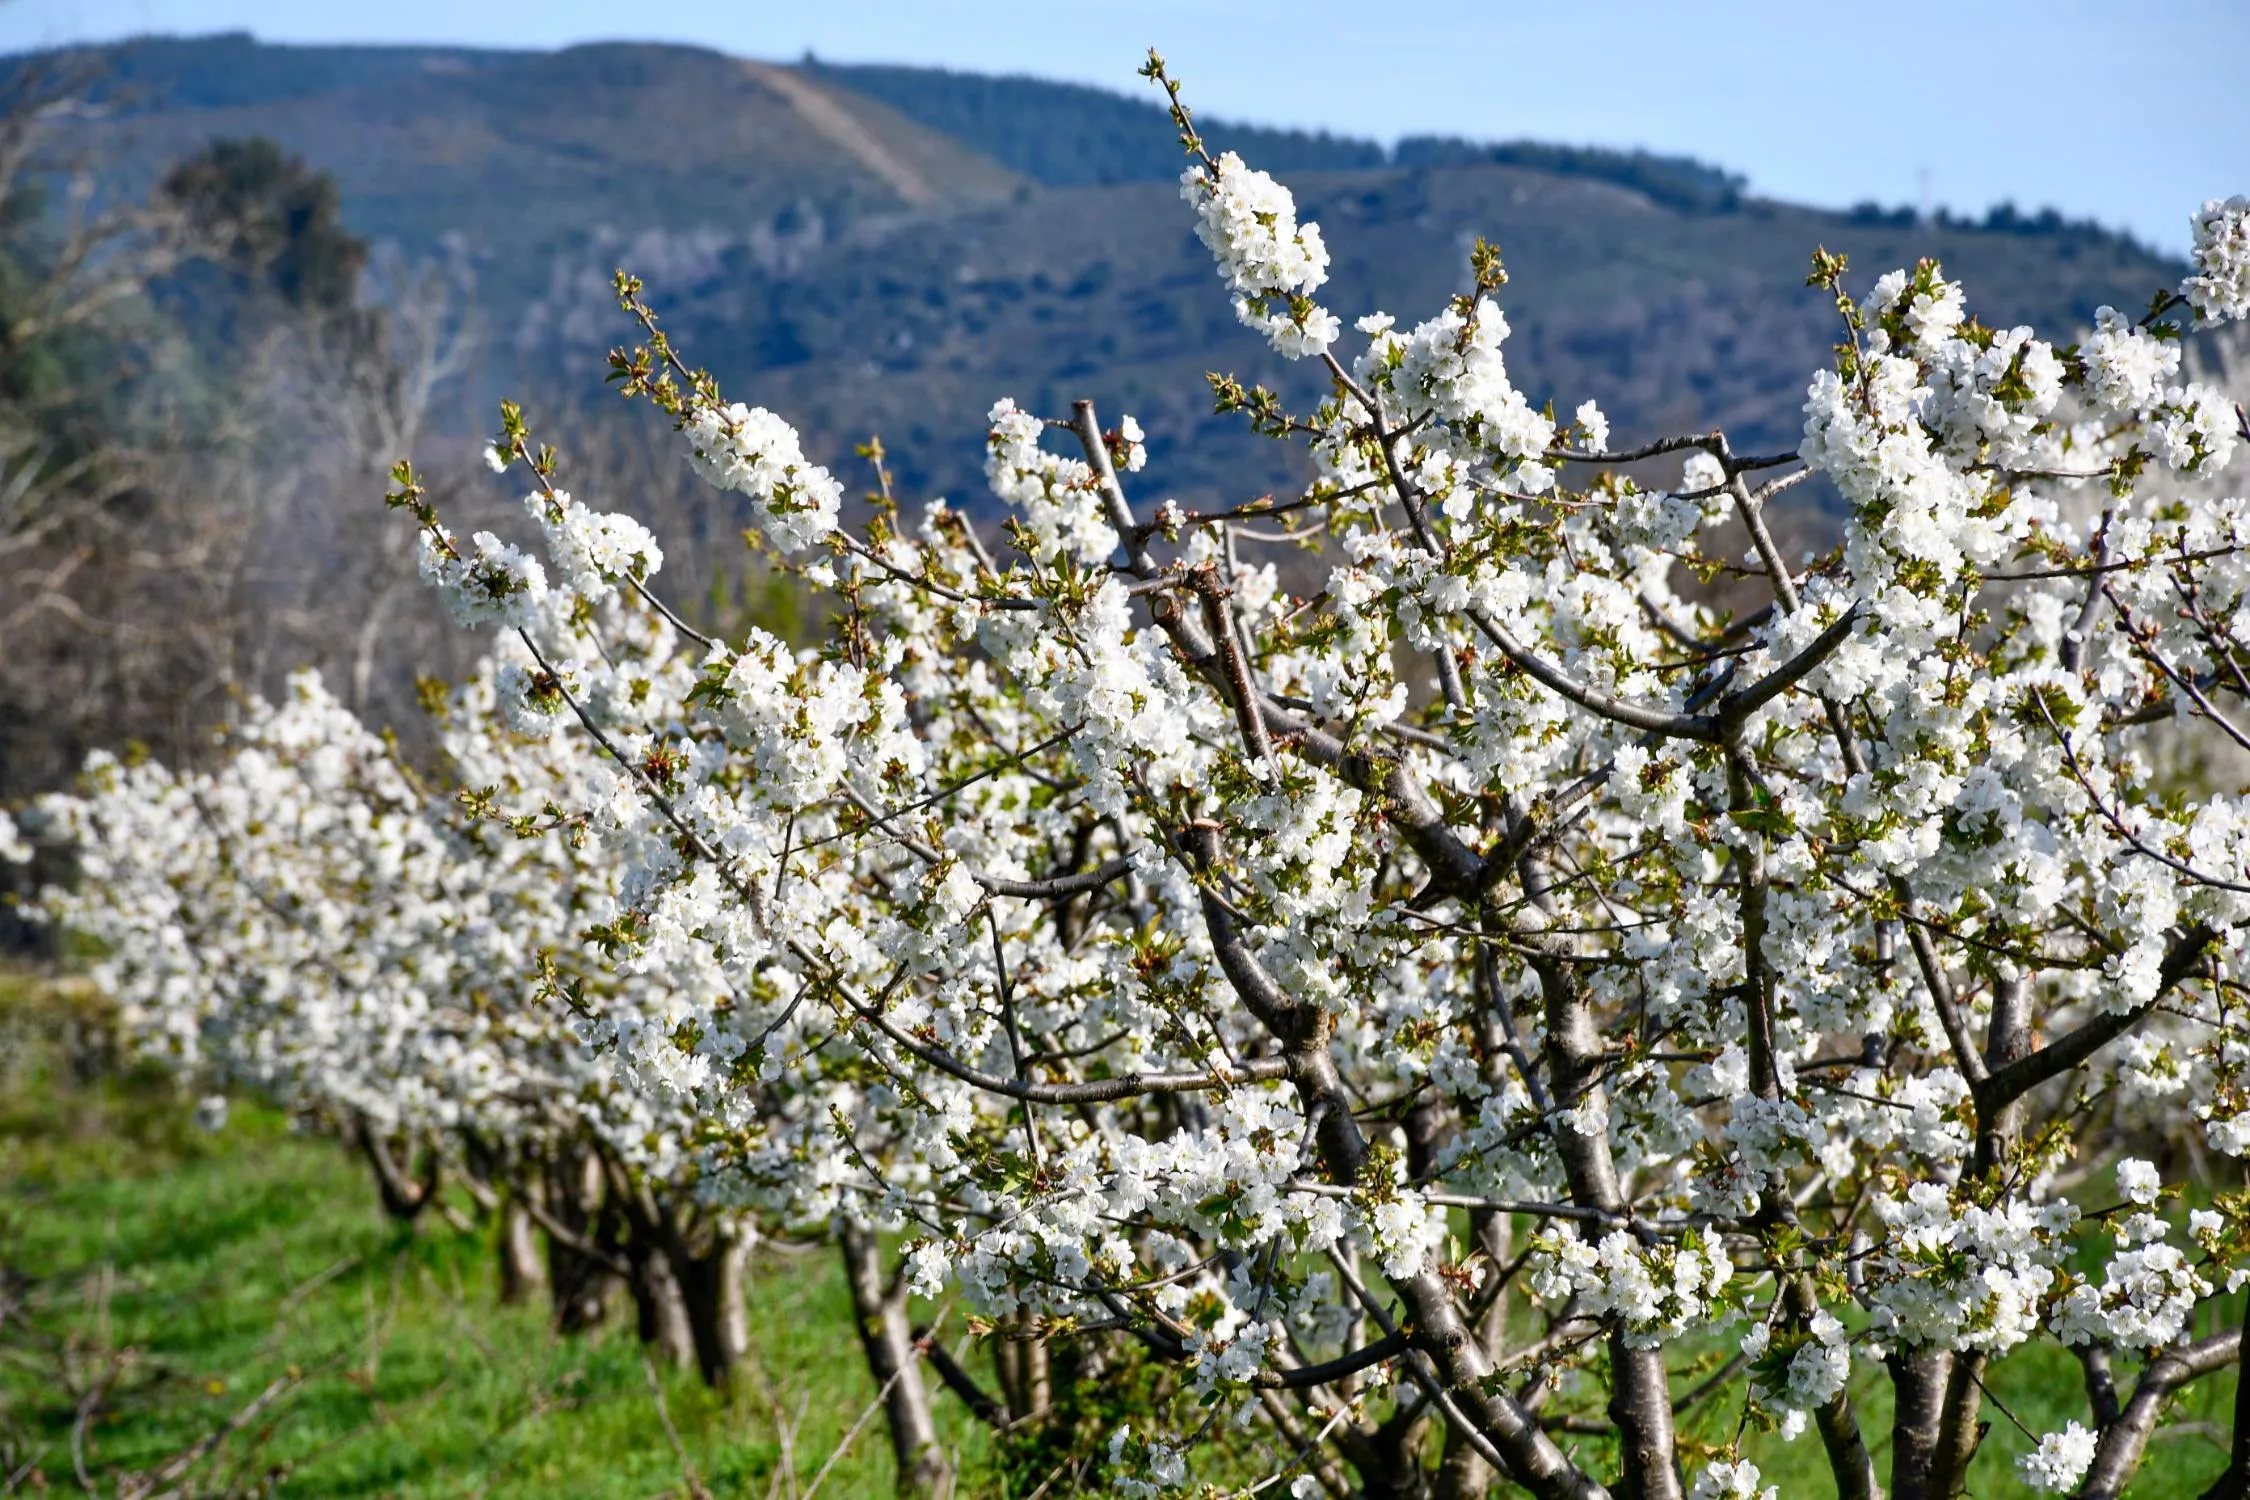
x=269, y=224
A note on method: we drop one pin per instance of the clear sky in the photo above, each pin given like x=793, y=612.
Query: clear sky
x=2131, y=113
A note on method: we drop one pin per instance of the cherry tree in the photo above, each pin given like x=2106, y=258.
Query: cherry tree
x=1467, y=998
x=1513, y=1014
x=311, y=919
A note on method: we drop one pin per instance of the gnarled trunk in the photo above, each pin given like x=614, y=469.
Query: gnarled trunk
x=404, y=1193
x=893, y=1362
x=581, y=1283
x=718, y=1320
x=660, y=1303
x=523, y=1270
x=1388, y=1458
x=1918, y=1382
x=687, y=1278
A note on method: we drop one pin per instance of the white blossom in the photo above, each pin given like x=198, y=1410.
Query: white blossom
x=1270, y=262
x=1730, y=1479
x=2060, y=1461
x=750, y=450
x=2219, y=289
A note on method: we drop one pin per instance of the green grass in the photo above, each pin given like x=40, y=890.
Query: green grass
x=178, y=1274
x=2042, y=1386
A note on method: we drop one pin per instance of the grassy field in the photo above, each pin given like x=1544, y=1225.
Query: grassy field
x=162, y=1280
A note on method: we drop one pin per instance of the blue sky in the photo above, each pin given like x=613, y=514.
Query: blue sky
x=2131, y=114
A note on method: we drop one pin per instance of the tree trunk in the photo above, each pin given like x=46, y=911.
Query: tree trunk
x=2234, y=1484
x=1959, y=1431
x=687, y=1278
x=718, y=1321
x=1918, y=1381
x=660, y=1304
x=1387, y=1458
x=580, y=1285
x=1021, y=1361
x=1463, y=1473
x=1640, y=1397
x=522, y=1270
x=403, y=1196
x=891, y=1359
x=1464, y=1391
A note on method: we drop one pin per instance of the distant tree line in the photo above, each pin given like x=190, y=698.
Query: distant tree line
x=1073, y=135
x=1677, y=182
x=2001, y=218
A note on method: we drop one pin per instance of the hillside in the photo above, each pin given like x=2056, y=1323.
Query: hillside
x=884, y=248
x=504, y=149
x=1071, y=135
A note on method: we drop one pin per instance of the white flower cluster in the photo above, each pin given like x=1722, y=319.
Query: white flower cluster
x=592, y=551
x=1141, y=1468
x=1962, y=1277
x=1404, y=1231
x=2229, y=1134
x=2060, y=1461
x=2126, y=366
x=1270, y=262
x=1226, y=1358
x=1820, y=1365
x=2220, y=288
x=1655, y=1293
x=498, y=584
x=803, y=727
x=530, y=701
x=753, y=452
x=2148, y=1292
x=1134, y=442
x=1730, y=1479
x=1057, y=498
x=1593, y=426
x=1450, y=371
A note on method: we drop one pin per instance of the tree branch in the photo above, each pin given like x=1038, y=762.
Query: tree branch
x=2125, y=1441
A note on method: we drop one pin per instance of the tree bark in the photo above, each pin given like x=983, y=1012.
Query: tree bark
x=2007, y=1039
x=892, y=1360
x=522, y=1269
x=687, y=1277
x=1021, y=1361
x=1387, y=1457
x=2125, y=1442
x=718, y=1320
x=1463, y=1473
x=1918, y=1384
x=2234, y=1484
x=1640, y=1397
x=660, y=1304
x=1959, y=1431
x=580, y=1285
x=403, y=1196
x=1848, y=1458
x=1537, y=1462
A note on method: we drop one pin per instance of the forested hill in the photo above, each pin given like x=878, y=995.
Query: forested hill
x=888, y=248
x=1071, y=135
x=513, y=152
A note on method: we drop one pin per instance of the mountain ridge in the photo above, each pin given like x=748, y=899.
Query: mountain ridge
x=874, y=247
